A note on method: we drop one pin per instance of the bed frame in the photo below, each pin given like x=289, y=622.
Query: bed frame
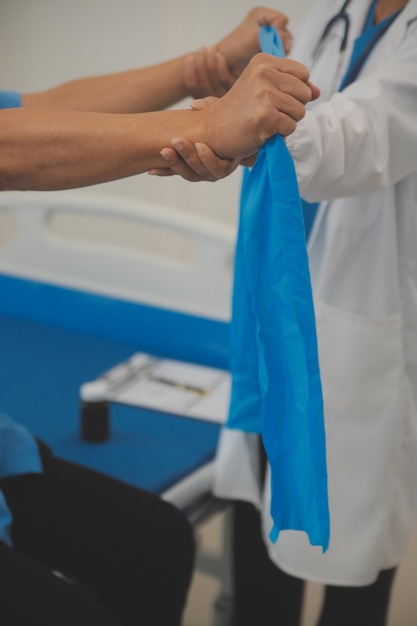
x=168, y=263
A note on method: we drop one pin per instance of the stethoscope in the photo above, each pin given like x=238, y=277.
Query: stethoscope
x=341, y=17
x=344, y=17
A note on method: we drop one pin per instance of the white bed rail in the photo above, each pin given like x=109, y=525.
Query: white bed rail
x=134, y=250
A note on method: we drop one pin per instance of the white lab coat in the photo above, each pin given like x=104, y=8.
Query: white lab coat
x=356, y=153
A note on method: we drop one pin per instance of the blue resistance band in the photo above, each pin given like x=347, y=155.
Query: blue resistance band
x=276, y=387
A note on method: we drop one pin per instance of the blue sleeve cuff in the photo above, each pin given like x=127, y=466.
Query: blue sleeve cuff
x=10, y=99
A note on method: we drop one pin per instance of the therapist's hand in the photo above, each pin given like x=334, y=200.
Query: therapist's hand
x=211, y=71
x=199, y=162
x=194, y=163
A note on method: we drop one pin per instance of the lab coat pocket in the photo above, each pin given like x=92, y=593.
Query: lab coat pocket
x=360, y=360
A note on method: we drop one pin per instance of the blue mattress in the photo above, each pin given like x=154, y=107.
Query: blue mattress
x=54, y=339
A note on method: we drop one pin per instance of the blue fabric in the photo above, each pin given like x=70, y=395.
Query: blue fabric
x=276, y=388
x=10, y=99
x=309, y=215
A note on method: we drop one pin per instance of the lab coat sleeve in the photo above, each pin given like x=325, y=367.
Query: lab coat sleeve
x=364, y=138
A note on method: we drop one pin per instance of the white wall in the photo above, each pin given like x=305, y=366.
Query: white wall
x=45, y=42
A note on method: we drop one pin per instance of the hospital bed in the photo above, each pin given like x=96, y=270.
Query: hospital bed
x=86, y=281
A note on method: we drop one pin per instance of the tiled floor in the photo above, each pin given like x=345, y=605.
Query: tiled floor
x=204, y=590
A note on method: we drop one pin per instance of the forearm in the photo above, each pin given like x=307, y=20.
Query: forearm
x=147, y=89
x=47, y=150
x=51, y=149
x=157, y=87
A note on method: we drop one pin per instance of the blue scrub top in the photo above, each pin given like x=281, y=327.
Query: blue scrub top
x=18, y=449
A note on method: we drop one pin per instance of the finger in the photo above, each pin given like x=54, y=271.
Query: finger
x=285, y=65
x=287, y=84
x=202, y=103
x=177, y=165
x=218, y=168
x=249, y=161
x=189, y=156
x=287, y=40
x=161, y=171
x=290, y=106
x=184, y=172
x=315, y=91
x=169, y=155
x=295, y=88
x=282, y=124
x=283, y=116
x=287, y=79
x=172, y=160
x=267, y=17
x=203, y=162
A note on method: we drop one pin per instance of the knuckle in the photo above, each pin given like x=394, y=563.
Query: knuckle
x=258, y=59
x=255, y=11
x=289, y=126
x=299, y=113
x=295, y=68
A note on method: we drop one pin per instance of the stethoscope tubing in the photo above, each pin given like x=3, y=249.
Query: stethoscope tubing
x=343, y=16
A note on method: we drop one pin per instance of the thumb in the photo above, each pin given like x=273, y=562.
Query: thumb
x=202, y=103
x=315, y=91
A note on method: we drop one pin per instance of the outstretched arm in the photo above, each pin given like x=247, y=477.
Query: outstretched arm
x=42, y=149
x=207, y=71
x=150, y=88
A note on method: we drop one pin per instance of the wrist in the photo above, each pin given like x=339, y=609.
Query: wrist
x=207, y=73
x=238, y=48
x=189, y=76
x=232, y=57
